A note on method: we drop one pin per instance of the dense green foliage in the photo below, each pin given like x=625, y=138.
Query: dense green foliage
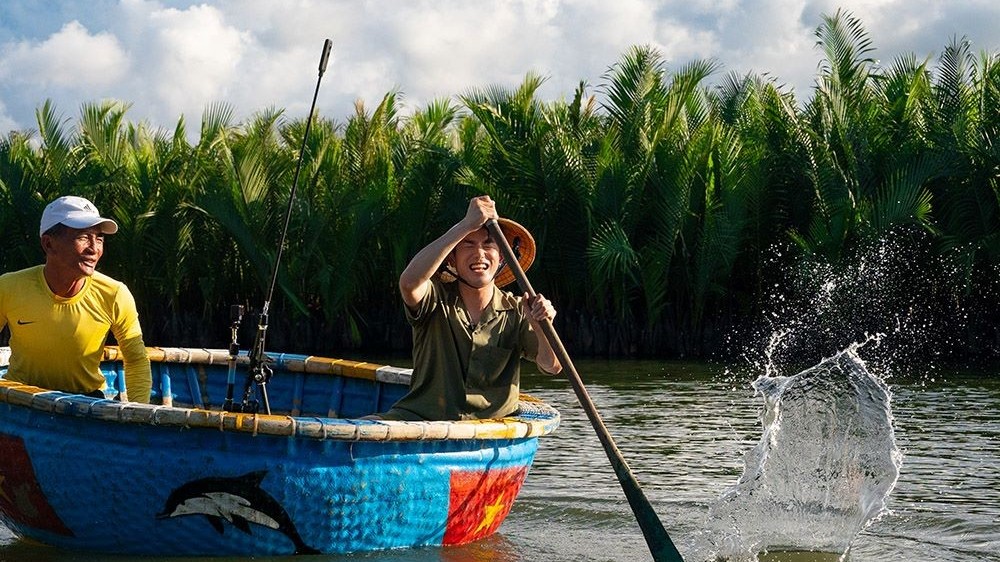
x=660, y=204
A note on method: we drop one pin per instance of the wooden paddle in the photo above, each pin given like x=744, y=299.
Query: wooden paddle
x=660, y=545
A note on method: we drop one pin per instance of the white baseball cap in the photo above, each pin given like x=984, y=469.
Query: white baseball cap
x=74, y=212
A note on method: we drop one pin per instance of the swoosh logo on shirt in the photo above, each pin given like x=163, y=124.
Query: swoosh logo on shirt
x=25, y=322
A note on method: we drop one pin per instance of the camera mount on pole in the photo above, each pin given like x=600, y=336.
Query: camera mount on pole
x=235, y=317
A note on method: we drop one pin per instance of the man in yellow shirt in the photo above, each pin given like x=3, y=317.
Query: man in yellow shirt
x=60, y=313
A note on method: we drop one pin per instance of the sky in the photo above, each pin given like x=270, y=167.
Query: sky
x=172, y=58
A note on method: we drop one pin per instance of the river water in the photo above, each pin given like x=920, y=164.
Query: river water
x=685, y=430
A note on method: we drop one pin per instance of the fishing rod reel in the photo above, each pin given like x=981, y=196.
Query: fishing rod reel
x=259, y=373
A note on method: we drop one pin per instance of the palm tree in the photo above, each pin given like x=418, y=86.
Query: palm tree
x=657, y=202
x=20, y=203
x=966, y=122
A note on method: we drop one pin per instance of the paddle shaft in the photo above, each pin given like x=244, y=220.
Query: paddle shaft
x=660, y=545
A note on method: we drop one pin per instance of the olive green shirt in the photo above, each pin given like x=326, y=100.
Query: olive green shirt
x=461, y=371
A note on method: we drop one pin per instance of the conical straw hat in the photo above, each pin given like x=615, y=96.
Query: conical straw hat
x=520, y=241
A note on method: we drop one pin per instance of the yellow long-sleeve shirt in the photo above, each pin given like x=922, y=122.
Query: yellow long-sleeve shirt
x=58, y=343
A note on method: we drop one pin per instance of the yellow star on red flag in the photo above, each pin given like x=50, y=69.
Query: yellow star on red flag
x=479, y=502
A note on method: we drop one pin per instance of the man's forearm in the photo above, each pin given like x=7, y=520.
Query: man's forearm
x=138, y=372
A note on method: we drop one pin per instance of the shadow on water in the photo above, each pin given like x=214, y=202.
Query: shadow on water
x=496, y=548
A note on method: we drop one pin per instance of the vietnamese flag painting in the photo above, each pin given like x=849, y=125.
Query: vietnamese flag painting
x=479, y=501
x=22, y=500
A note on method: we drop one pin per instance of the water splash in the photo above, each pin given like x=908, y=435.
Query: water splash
x=827, y=459
x=895, y=285
x=823, y=469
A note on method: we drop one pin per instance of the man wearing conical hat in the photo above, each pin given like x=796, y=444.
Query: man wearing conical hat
x=60, y=313
x=469, y=335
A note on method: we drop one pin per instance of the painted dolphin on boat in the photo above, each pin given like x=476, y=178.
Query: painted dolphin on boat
x=239, y=500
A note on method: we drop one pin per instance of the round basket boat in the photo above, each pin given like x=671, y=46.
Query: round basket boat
x=180, y=476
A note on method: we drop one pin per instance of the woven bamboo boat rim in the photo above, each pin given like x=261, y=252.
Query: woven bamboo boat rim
x=534, y=418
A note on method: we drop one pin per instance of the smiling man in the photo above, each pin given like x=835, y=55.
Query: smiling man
x=60, y=313
x=469, y=336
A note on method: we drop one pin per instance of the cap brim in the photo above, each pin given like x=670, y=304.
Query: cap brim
x=107, y=226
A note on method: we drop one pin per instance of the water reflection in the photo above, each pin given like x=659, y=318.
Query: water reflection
x=496, y=548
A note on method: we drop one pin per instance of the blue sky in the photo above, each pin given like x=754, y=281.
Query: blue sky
x=174, y=58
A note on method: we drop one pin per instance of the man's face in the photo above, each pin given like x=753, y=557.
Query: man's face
x=74, y=250
x=476, y=258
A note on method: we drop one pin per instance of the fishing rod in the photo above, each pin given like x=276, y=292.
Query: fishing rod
x=260, y=372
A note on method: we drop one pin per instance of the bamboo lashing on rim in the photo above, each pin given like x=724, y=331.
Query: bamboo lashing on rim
x=535, y=418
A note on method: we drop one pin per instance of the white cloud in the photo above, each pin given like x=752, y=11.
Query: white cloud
x=922, y=27
x=7, y=123
x=774, y=39
x=173, y=57
x=71, y=58
x=189, y=58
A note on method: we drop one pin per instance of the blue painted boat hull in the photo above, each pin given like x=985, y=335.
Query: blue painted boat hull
x=105, y=476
